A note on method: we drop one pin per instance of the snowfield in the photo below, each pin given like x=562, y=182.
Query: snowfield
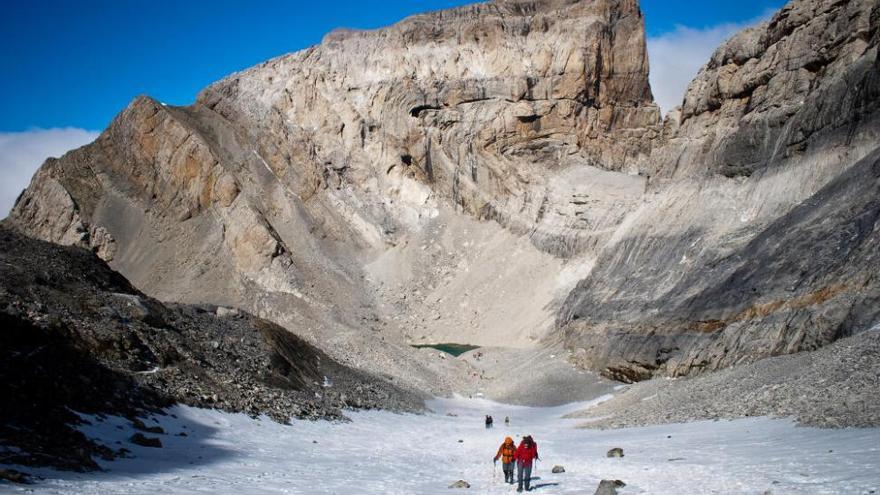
x=387, y=453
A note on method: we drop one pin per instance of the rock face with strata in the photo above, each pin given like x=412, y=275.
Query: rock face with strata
x=759, y=232
x=484, y=104
x=801, y=81
x=350, y=190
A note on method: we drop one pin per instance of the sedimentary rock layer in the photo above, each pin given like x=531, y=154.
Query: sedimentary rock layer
x=759, y=231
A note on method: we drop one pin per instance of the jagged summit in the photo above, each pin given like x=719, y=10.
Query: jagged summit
x=498, y=174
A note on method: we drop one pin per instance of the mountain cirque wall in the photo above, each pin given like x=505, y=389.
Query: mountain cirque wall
x=276, y=188
x=723, y=234
x=759, y=234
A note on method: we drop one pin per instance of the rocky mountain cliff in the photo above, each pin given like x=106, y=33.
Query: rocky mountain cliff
x=498, y=174
x=759, y=236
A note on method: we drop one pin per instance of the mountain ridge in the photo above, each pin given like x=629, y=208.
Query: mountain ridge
x=348, y=191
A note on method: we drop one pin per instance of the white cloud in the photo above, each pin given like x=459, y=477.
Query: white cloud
x=677, y=56
x=21, y=153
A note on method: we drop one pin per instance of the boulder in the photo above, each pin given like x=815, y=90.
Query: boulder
x=615, y=452
x=14, y=476
x=138, y=424
x=144, y=441
x=557, y=469
x=223, y=312
x=460, y=484
x=609, y=487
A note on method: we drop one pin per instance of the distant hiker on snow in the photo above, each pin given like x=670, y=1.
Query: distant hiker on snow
x=488, y=421
x=506, y=420
x=525, y=454
x=506, y=453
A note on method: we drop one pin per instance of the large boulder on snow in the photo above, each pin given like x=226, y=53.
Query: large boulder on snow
x=609, y=487
x=145, y=441
x=14, y=476
x=615, y=452
x=138, y=424
x=460, y=484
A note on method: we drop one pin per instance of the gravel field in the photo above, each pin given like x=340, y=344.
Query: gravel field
x=836, y=386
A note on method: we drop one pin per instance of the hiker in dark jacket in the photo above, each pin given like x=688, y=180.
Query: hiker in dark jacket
x=525, y=454
x=506, y=453
x=488, y=421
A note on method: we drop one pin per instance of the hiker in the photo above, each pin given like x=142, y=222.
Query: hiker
x=525, y=454
x=506, y=420
x=488, y=421
x=506, y=453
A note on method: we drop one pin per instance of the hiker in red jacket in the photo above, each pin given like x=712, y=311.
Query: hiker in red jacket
x=525, y=454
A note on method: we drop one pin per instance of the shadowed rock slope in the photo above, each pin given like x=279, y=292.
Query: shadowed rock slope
x=75, y=336
x=361, y=192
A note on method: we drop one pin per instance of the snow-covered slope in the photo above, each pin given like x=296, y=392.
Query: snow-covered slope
x=387, y=453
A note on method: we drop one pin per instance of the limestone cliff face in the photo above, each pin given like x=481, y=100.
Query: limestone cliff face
x=301, y=188
x=777, y=91
x=759, y=230
x=485, y=104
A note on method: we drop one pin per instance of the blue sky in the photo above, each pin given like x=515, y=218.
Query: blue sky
x=68, y=66
x=77, y=63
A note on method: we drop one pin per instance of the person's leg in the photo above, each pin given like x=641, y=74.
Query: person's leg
x=519, y=476
x=508, y=473
x=527, y=474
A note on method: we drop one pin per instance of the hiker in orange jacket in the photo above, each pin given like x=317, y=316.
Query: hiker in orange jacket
x=506, y=453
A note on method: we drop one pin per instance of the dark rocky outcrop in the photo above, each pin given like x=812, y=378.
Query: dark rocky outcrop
x=75, y=336
x=15, y=476
x=145, y=441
